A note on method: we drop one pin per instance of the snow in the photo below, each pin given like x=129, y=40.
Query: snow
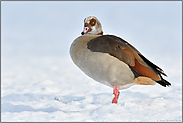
x=53, y=89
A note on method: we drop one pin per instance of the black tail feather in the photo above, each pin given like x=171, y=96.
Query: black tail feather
x=154, y=67
x=163, y=82
x=158, y=71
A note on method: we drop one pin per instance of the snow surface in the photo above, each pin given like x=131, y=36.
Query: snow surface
x=54, y=89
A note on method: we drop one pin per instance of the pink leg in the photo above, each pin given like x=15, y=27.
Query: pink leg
x=116, y=94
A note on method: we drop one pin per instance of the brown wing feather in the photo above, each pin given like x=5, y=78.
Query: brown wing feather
x=125, y=52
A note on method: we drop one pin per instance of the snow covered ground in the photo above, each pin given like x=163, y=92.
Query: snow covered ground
x=54, y=89
x=39, y=81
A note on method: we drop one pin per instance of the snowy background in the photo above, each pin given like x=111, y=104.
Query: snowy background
x=39, y=81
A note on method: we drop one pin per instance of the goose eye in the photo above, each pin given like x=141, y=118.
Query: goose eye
x=92, y=22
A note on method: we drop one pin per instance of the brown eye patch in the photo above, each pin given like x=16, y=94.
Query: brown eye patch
x=86, y=24
x=92, y=22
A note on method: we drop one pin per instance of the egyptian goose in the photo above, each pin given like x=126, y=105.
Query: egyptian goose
x=111, y=60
